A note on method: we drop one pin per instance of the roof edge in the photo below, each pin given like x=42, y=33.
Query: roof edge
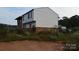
x=24, y=14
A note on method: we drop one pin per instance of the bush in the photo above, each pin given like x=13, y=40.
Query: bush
x=61, y=36
x=52, y=38
x=3, y=32
x=75, y=37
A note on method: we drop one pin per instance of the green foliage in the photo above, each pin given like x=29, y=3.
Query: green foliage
x=70, y=23
x=61, y=36
x=3, y=32
x=52, y=38
x=75, y=37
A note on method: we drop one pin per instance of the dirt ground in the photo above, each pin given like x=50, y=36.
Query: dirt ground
x=31, y=46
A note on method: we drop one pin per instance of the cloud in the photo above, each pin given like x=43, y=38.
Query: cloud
x=8, y=14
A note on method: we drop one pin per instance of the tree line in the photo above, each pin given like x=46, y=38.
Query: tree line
x=71, y=22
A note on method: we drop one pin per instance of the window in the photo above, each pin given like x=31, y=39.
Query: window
x=30, y=15
x=23, y=18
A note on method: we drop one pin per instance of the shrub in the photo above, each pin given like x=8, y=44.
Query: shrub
x=52, y=38
x=61, y=35
x=3, y=32
x=75, y=37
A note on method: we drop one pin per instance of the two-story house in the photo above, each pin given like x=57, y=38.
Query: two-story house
x=38, y=17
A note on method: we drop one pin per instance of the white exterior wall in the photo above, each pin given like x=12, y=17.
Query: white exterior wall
x=28, y=25
x=45, y=17
x=25, y=17
x=26, y=20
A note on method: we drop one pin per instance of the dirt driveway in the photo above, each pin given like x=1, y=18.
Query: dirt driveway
x=31, y=46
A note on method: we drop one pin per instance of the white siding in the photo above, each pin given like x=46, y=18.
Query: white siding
x=45, y=17
x=32, y=24
x=27, y=26
x=25, y=19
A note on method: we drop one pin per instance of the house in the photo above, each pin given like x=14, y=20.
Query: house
x=38, y=17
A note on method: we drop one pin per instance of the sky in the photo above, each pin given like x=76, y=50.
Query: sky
x=8, y=14
x=66, y=11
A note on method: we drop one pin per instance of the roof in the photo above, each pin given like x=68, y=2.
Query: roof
x=23, y=14
x=32, y=10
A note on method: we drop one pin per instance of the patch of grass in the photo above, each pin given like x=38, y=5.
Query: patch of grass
x=75, y=37
x=52, y=38
x=41, y=36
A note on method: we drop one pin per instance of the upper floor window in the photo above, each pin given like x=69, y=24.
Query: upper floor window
x=23, y=18
x=30, y=15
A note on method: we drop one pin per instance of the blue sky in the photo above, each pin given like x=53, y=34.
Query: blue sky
x=8, y=14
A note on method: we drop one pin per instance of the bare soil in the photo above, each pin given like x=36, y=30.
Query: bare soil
x=31, y=46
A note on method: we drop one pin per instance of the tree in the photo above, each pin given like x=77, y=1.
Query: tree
x=74, y=20
x=64, y=22
x=70, y=23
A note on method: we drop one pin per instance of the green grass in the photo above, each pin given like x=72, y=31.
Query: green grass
x=70, y=38
x=41, y=36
